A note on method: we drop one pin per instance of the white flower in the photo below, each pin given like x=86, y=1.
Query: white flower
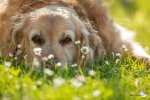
x=77, y=42
x=37, y=51
x=76, y=83
x=92, y=73
x=45, y=59
x=19, y=46
x=25, y=56
x=18, y=52
x=34, y=87
x=15, y=58
x=107, y=62
x=142, y=94
x=124, y=48
x=7, y=64
x=74, y=65
x=117, y=61
x=48, y=72
x=51, y=56
x=10, y=55
x=36, y=62
x=118, y=55
x=96, y=93
x=85, y=50
x=39, y=82
x=58, y=82
x=59, y=64
x=81, y=79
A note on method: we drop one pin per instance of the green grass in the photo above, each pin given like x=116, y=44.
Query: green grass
x=123, y=80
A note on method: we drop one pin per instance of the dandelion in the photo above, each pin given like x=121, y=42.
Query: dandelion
x=74, y=65
x=92, y=73
x=10, y=55
x=45, y=59
x=59, y=64
x=7, y=64
x=51, y=56
x=84, y=50
x=76, y=83
x=48, y=72
x=77, y=42
x=96, y=93
x=142, y=94
x=124, y=48
x=37, y=51
x=19, y=46
x=58, y=82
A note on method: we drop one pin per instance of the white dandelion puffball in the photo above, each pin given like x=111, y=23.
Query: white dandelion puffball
x=92, y=73
x=48, y=72
x=7, y=64
x=58, y=82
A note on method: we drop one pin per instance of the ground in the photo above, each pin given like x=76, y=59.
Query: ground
x=113, y=79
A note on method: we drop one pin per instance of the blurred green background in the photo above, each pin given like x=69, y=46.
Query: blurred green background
x=135, y=15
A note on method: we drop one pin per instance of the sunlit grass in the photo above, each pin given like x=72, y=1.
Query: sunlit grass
x=111, y=78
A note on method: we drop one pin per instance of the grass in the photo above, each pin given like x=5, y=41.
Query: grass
x=109, y=79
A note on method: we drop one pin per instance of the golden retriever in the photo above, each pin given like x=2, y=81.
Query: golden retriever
x=62, y=28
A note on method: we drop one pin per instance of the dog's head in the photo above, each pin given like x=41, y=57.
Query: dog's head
x=59, y=31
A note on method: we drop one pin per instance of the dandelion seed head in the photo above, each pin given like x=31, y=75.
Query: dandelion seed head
x=19, y=46
x=11, y=55
x=7, y=64
x=59, y=64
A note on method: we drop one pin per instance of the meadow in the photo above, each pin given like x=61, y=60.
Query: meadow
x=109, y=79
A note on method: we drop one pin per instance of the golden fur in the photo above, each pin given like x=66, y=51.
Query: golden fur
x=57, y=25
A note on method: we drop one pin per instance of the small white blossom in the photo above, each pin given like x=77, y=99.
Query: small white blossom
x=45, y=59
x=117, y=61
x=107, y=62
x=18, y=52
x=10, y=55
x=58, y=82
x=77, y=42
x=48, y=72
x=81, y=79
x=96, y=93
x=142, y=94
x=51, y=56
x=76, y=83
x=39, y=82
x=36, y=62
x=59, y=64
x=37, y=51
x=92, y=73
x=124, y=48
x=118, y=55
x=25, y=56
x=15, y=58
x=34, y=87
x=74, y=65
x=19, y=46
x=85, y=50
x=7, y=64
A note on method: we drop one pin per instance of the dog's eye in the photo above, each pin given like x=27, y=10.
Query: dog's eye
x=38, y=40
x=66, y=40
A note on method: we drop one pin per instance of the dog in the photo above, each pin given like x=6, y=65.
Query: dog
x=63, y=28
